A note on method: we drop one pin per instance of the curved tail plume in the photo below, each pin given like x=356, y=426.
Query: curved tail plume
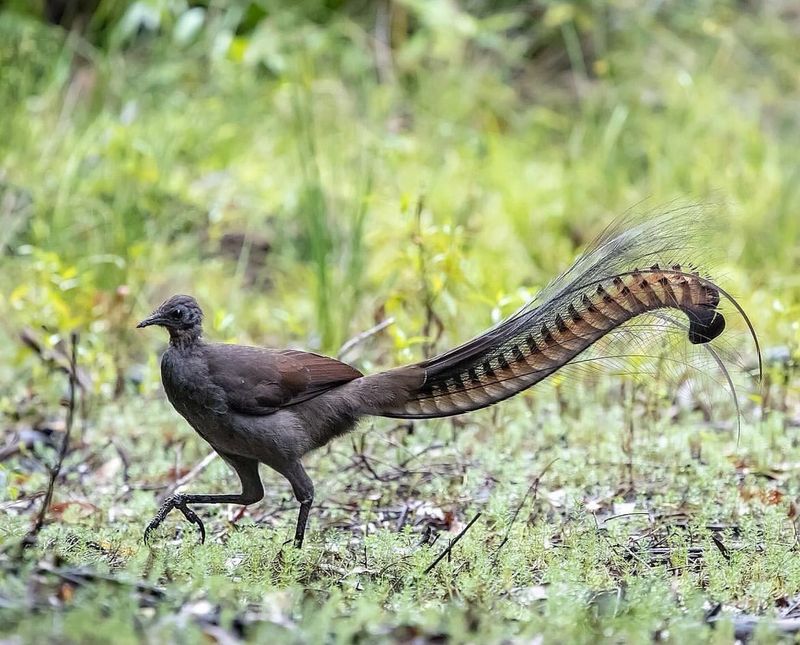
x=603, y=290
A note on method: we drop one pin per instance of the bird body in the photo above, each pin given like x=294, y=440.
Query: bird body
x=256, y=405
x=266, y=403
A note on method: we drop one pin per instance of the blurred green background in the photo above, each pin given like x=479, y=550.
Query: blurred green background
x=273, y=159
x=308, y=169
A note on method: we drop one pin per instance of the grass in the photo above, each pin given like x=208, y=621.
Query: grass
x=442, y=191
x=578, y=564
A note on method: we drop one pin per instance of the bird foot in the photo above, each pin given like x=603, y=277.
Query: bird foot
x=179, y=502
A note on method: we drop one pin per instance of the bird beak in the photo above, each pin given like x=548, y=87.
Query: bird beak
x=152, y=319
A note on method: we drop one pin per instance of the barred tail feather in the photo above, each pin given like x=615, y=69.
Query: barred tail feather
x=600, y=292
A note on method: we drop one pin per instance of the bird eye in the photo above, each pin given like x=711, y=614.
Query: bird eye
x=176, y=313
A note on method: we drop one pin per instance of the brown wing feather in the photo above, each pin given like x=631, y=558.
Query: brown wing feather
x=260, y=381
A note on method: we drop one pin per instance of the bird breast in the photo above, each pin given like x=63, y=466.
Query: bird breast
x=188, y=386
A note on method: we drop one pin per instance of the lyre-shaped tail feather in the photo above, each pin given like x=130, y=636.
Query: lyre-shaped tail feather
x=603, y=290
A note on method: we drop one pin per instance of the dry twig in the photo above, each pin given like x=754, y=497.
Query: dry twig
x=533, y=490
x=55, y=470
x=194, y=472
x=356, y=340
x=450, y=546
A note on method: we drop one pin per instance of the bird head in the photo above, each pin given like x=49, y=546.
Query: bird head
x=179, y=314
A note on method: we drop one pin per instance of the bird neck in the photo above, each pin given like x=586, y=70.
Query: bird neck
x=184, y=338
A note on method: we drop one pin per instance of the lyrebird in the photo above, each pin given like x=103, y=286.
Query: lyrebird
x=256, y=405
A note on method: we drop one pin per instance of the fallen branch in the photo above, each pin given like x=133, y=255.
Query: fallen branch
x=450, y=546
x=745, y=625
x=80, y=576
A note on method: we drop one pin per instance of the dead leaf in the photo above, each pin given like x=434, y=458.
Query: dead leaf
x=57, y=510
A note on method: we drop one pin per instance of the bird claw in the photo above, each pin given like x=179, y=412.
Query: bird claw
x=175, y=501
x=190, y=515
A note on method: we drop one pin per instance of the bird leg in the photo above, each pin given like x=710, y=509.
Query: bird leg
x=302, y=518
x=303, y=489
x=252, y=491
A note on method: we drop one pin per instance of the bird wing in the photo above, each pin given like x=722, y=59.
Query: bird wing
x=260, y=381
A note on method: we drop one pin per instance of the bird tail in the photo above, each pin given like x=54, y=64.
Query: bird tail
x=604, y=289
